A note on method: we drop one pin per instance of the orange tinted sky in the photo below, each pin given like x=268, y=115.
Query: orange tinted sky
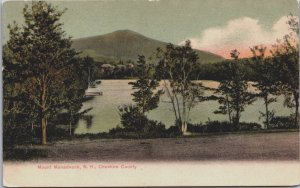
x=244, y=51
x=241, y=34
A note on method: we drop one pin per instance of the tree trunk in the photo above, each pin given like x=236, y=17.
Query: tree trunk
x=296, y=96
x=267, y=112
x=71, y=123
x=173, y=103
x=237, y=120
x=184, y=128
x=44, y=131
x=42, y=123
x=42, y=117
x=70, y=127
x=229, y=113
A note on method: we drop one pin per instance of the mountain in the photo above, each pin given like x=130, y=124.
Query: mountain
x=127, y=45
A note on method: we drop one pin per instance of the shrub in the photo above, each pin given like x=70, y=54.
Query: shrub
x=18, y=134
x=221, y=126
x=250, y=126
x=217, y=126
x=132, y=119
x=195, y=128
x=281, y=122
x=137, y=124
x=173, y=131
x=154, y=129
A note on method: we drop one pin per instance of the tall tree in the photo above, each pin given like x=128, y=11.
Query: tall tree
x=176, y=64
x=233, y=90
x=41, y=47
x=286, y=56
x=16, y=116
x=144, y=95
x=265, y=80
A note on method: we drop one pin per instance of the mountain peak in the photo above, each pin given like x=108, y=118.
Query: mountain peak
x=126, y=45
x=124, y=34
x=125, y=31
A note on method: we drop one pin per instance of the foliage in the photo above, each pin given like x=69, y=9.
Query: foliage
x=221, y=126
x=286, y=57
x=233, y=92
x=266, y=83
x=41, y=56
x=134, y=121
x=215, y=71
x=210, y=127
x=281, y=122
x=176, y=64
x=144, y=96
x=16, y=134
x=173, y=131
x=252, y=126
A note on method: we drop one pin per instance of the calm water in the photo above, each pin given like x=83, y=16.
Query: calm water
x=118, y=92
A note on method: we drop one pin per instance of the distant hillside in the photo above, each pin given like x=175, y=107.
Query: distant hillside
x=127, y=45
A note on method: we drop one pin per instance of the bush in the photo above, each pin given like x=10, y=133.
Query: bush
x=132, y=119
x=281, y=122
x=221, y=126
x=154, y=129
x=250, y=126
x=137, y=124
x=18, y=134
x=210, y=127
x=217, y=126
x=196, y=128
x=173, y=131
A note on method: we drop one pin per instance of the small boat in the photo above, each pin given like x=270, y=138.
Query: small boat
x=87, y=98
x=92, y=91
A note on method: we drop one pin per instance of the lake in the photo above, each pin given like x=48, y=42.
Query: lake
x=117, y=92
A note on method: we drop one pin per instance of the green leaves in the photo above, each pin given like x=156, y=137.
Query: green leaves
x=233, y=91
x=42, y=62
x=286, y=63
x=177, y=64
x=145, y=96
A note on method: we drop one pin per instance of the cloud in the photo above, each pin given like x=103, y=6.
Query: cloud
x=240, y=34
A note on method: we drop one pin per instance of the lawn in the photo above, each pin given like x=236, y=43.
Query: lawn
x=253, y=146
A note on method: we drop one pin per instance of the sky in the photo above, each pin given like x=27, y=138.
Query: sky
x=217, y=26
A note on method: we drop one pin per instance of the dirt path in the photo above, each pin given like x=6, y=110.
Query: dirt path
x=260, y=146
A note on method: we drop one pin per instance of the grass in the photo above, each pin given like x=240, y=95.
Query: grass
x=276, y=145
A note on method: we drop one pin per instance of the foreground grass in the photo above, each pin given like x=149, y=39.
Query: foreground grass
x=265, y=145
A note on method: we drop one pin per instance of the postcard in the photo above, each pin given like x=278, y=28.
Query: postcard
x=150, y=93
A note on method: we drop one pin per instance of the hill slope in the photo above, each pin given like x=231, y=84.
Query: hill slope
x=126, y=45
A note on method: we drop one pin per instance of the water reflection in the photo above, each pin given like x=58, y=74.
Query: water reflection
x=105, y=115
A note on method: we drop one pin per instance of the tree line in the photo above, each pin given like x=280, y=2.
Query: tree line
x=273, y=75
